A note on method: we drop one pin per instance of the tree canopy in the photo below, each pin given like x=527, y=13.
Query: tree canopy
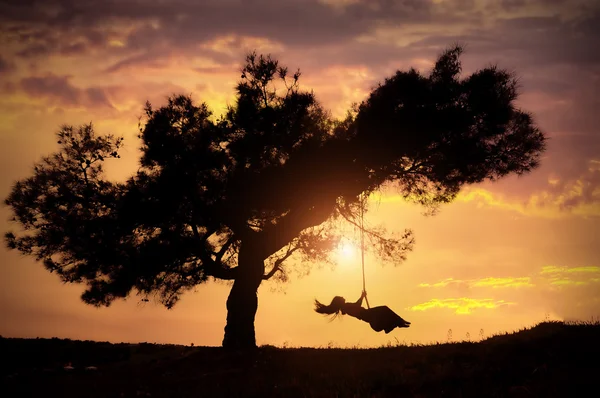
x=267, y=175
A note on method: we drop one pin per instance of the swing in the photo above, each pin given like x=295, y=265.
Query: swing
x=379, y=318
x=362, y=251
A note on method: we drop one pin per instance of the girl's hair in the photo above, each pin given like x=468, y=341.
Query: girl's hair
x=334, y=308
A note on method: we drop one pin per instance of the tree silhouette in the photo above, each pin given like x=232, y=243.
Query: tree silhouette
x=233, y=198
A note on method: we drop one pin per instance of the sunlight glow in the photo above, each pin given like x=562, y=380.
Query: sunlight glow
x=347, y=251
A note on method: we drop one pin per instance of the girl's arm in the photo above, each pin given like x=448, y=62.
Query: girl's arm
x=360, y=300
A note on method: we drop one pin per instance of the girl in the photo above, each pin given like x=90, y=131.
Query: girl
x=380, y=318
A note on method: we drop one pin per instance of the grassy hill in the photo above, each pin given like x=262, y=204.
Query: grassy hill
x=552, y=359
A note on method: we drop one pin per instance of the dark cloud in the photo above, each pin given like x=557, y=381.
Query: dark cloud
x=46, y=41
x=559, y=73
x=36, y=50
x=96, y=96
x=159, y=29
x=55, y=87
x=550, y=40
x=59, y=89
x=9, y=87
x=146, y=59
x=530, y=41
x=316, y=36
x=512, y=5
x=6, y=66
x=184, y=23
x=74, y=48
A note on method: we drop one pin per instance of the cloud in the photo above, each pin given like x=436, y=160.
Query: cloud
x=37, y=40
x=567, y=282
x=317, y=35
x=184, y=24
x=444, y=283
x=579, y=197
x=220, y=52
x=59, y=89
x=122, y=52
x=148, y=60
x=580, y=191
x=6, y=66
x=504, y=282
x=560, y=276
x=483, y=282
x=462, y=306
x=571, y=292
x=557, y=270
x=547, y=44
x=575, y=197
x=74, y=26
x=548, y=275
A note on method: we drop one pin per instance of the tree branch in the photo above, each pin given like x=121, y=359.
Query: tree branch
x=278, y=262
x=365, y=230
x=271, y=273
x=274, y=237
x=202, y=239
x=221, y=273
x=225, y=247
x=212, y=267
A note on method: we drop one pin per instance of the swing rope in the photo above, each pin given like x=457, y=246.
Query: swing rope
x=362, y=248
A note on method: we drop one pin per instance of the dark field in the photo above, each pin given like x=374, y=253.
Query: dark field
x=552, y=359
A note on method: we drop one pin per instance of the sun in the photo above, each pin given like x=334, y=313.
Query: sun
x=347, y=250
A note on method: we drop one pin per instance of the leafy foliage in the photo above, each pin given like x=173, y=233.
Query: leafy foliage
x=272, y=174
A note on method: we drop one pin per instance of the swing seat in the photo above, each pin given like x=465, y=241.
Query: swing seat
x=383, y=318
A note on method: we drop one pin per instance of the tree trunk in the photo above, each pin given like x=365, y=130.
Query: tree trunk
x=242, y=302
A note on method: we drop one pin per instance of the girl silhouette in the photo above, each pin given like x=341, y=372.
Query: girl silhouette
x=380, y=318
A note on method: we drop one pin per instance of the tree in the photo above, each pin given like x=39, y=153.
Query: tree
x=234, y=197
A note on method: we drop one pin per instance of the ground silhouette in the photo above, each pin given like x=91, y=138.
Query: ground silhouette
x=552, y=359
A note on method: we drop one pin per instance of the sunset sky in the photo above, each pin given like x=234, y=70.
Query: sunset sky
x=501, y=257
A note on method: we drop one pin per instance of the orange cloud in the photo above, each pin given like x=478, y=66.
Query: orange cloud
x=553, y=269
x=559, y=277
x=443, y=283
x=578, y=197
x=462, y=306
x=504, y=282
x=554, y=276
x=484, y=282
x=59, y=89
x=232, y=44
